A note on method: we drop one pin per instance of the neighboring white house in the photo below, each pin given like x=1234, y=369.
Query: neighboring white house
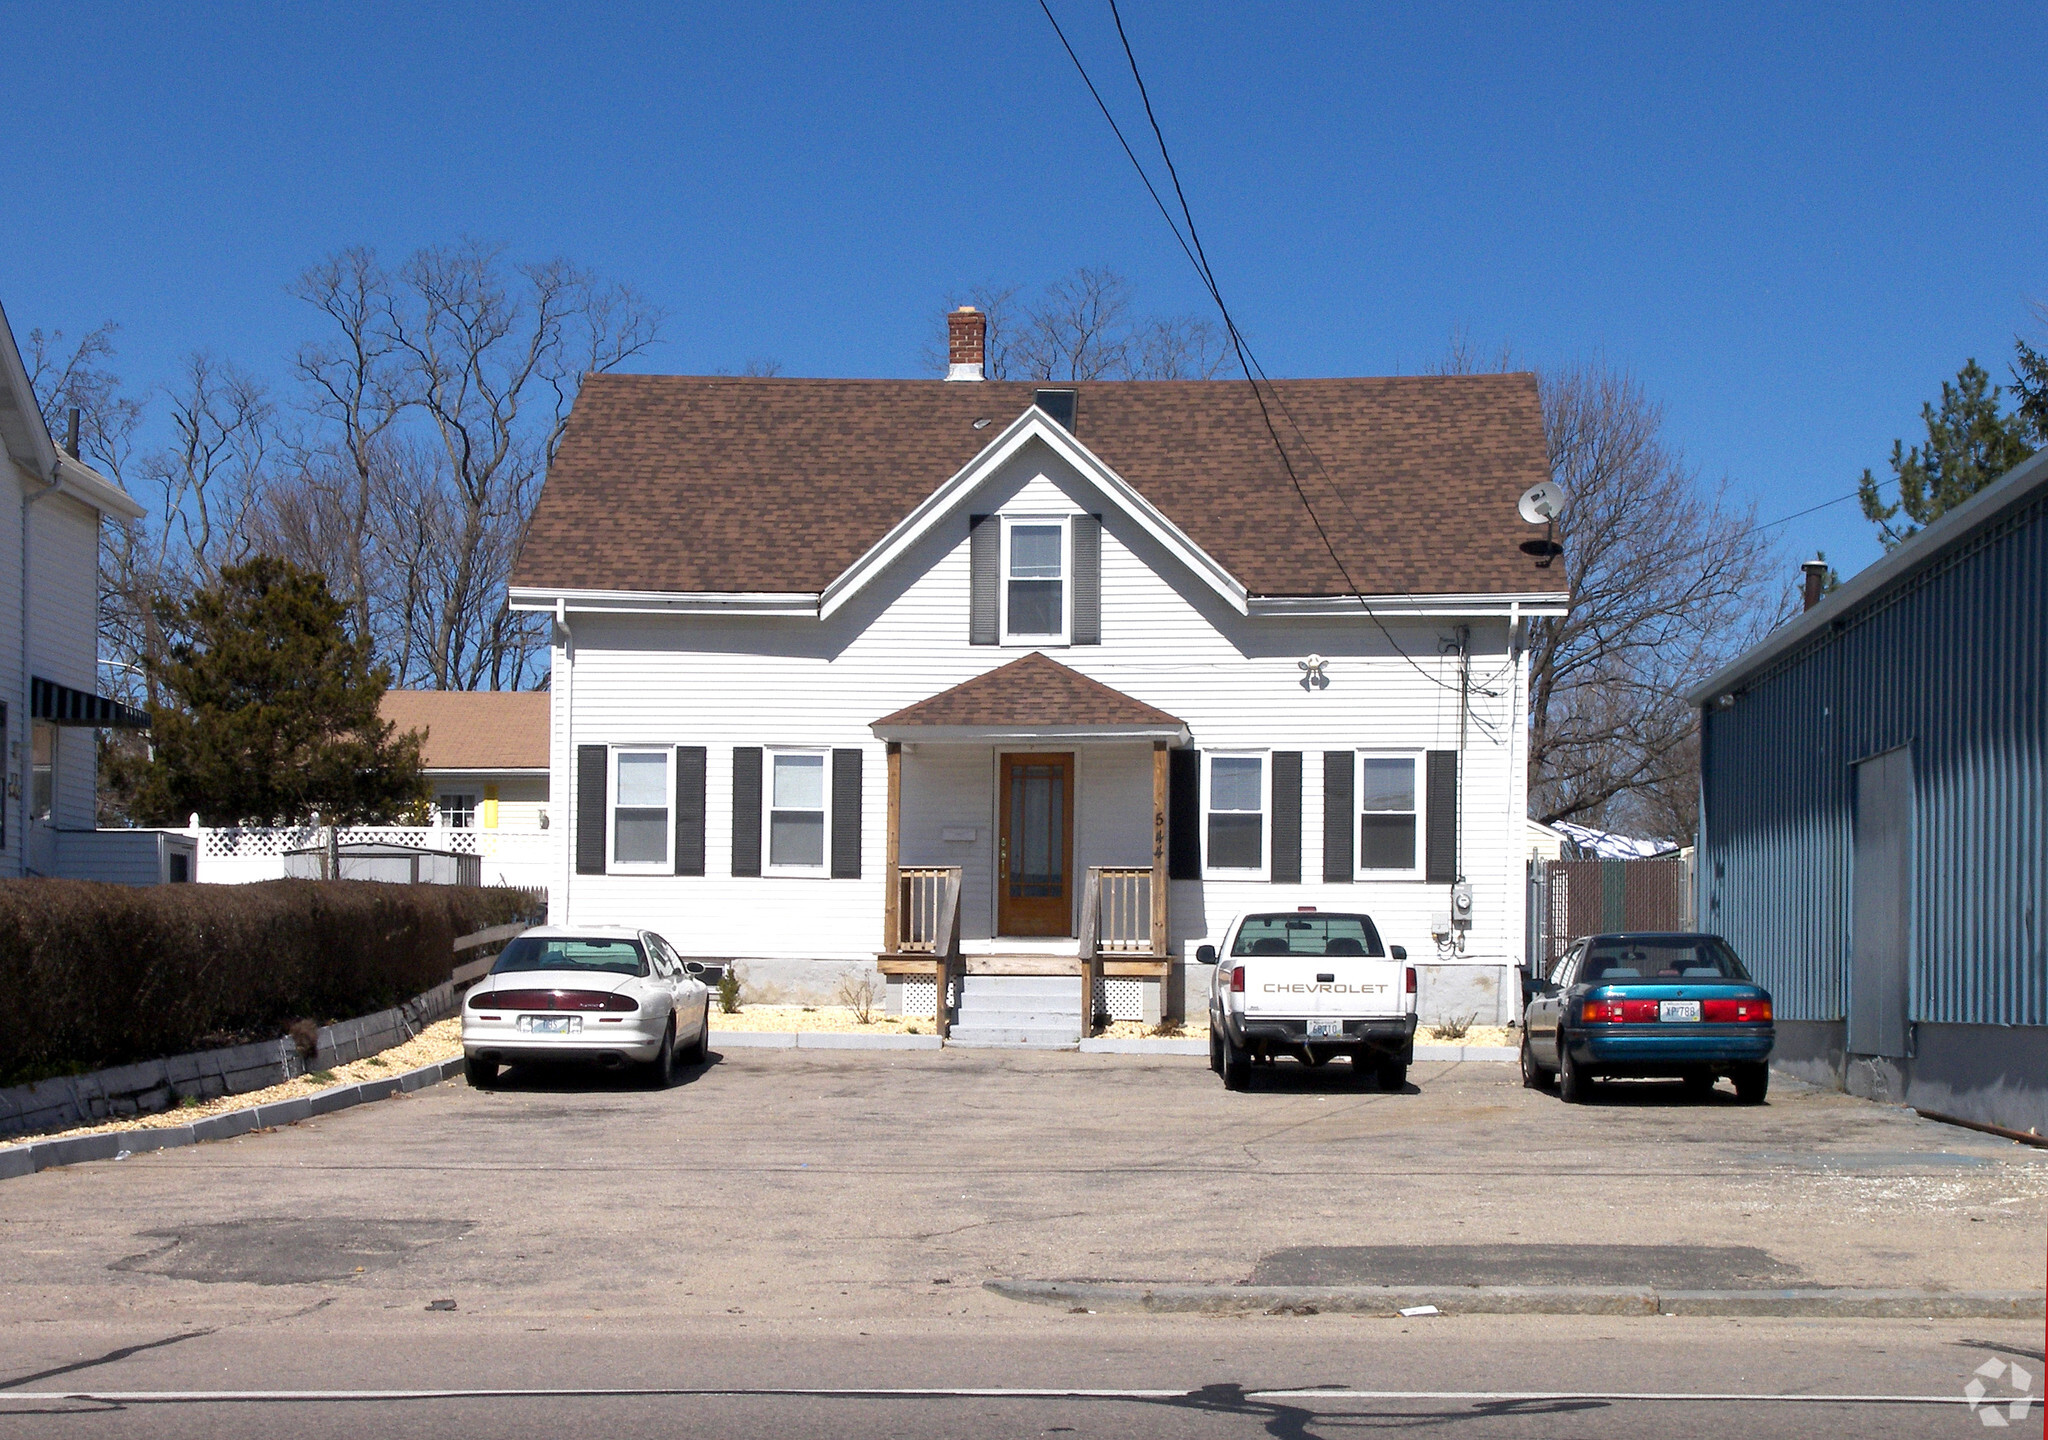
x=826, y=652
x=486, y=752
x=50, y=704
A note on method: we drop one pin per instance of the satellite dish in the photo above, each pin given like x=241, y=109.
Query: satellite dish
x=1541, y=504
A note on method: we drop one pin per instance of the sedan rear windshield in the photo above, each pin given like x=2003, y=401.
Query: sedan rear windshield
x=1307, y=935
x=564, y=952
x=1703, y=958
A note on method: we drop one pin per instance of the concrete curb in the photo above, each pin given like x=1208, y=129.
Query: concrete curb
x=1460, y=1054
x=1845, y=1304
x=819, y=1040
x=1106, y=1045
x=27, y=1159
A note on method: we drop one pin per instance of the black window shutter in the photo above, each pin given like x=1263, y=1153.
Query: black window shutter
x=591, y=764
x=1337, y=816
x=846, y=814
x=984, y=556
x=1087, y=579
x=1184, y=815
x=746, y=810
x=1287, y=817
x=689, y=809
x=1441, y=838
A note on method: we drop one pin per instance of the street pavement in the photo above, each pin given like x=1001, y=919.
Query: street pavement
x=791, y=1221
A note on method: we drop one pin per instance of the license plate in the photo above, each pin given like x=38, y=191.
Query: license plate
x=1325, y=1029
x=1669, y=1010
x=550, y=1024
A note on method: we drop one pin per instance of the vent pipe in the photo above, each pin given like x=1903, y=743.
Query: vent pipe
x=1816, y=573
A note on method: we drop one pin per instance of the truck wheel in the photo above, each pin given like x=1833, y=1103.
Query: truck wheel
x=1237, y=1067
x=1216, y=1051
x=1534, y=1076
x=1573, y=1087
x=1752, y=1083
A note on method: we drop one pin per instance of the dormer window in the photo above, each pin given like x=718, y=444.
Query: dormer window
x=1036, y=564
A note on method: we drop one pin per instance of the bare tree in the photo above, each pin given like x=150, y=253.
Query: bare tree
x=1669, y=577
x=1081, y=327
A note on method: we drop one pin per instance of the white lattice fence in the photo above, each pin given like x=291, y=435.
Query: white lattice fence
x=1123, y=999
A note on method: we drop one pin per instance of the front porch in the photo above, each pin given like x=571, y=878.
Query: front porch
x=1026, y=883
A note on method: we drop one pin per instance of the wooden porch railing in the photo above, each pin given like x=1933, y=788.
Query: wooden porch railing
x=928, y=930
x=922, y=892
x=1116, y=920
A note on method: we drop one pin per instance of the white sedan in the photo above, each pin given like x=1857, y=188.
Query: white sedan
x=600, y=995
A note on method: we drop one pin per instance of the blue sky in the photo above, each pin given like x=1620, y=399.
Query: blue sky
x=1791, y=226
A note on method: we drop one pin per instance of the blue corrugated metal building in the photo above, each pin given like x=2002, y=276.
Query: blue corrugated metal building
x=1874, y=828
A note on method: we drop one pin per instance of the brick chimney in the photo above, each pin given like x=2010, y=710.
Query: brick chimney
x=966, y=342
x=1816, y=572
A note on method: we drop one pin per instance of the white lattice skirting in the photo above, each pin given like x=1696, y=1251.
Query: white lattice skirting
x=1123, y=999
x=920, y=997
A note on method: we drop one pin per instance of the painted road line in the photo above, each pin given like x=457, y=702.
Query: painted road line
x=1477, y=1397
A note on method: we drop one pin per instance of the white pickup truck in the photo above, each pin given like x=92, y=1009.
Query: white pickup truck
x=1311, y=984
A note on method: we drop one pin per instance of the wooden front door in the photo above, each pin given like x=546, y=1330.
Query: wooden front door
x=1035, y=847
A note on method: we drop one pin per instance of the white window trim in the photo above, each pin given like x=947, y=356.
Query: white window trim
x=768, y=865
x=1265, y=866
x=1066, y=630
x=441, y=809
x=1417, y=870
x=614, y=865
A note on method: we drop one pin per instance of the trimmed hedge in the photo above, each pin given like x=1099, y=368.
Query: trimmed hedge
x=96, y=975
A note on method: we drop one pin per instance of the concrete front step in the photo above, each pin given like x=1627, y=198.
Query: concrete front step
x=992, y=987
x=1068, y=1020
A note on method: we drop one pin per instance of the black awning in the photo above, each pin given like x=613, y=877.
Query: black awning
x=61, y=705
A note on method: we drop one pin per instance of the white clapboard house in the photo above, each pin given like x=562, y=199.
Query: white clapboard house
x=51, y=708
x=1027, y=689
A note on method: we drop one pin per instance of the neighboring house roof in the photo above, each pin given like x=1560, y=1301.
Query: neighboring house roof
x=1031, y=693
x=2024, y=484
x=722, y=485
x=26, y=440
x=1606, y=845
x=474, y=729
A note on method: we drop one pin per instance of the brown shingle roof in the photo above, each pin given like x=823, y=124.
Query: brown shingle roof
x=1032, y=690
x=675, y=483
x=474, y=729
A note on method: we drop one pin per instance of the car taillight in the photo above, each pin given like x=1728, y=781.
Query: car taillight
x=552, y=1000
x=1408, y=983
x=1237, y=981
x=1619, y=1012
x=1736, y=1012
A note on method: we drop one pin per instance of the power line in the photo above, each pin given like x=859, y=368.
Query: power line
x=1191, y=246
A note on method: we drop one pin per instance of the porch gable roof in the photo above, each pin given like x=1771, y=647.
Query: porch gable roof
x=1032, y=696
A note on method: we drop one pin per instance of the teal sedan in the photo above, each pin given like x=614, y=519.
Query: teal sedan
x=1648, y=1006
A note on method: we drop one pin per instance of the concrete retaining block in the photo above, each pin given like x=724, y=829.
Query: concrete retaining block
x=284, y=1112
x=16, y=1161
x=831, y=1040
x=1461, y=1054
x=753, y=1040
x=340, y=1097
x=379, y=1089
x=164, y=1137
x=224, y=1126
x=76, y=1149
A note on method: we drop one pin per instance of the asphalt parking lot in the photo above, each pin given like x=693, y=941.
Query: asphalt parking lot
x=785, y=1196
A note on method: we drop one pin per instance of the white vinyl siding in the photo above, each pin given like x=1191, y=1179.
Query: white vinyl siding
x=722, y=682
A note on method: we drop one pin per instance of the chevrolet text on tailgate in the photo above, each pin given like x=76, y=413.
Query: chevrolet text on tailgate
x=1309, y=984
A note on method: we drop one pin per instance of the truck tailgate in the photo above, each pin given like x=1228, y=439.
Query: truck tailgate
x=1286, y=986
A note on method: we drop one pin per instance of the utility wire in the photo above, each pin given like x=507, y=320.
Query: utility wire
x=1191, y=246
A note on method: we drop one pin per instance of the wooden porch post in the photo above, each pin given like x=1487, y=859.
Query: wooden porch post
x=1159, y=849
x=891, y=930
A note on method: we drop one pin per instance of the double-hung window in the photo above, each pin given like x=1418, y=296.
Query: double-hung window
x=1390, y=818
x=640, y=807
x=796, y=811
x=1035, y=568
x=1236, y=815
x=458, y=812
